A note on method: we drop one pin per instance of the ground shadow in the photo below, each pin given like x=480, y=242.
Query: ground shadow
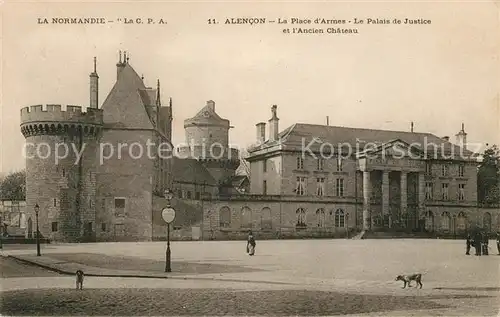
x=485, y=289
x=198, y=302
x=130, y=263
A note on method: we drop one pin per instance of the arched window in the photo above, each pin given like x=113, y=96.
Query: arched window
x=461, y=221
x=225, y=217
x=487, y=221
x=445, y=221
x=301, y=217
x=339, y=218
x=266, y=220
x=246, y=217
x=320, y=217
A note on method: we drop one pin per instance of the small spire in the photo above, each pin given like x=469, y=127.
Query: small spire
x=95, y=64
x=158, y=101
x=463, y=127
x=120, y=61
x=171, y=109
x=125, y=57
x=411, y=126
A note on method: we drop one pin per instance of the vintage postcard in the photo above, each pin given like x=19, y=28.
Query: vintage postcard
x=250, y=158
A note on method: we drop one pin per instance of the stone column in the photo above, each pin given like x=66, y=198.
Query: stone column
x=421, y=195
x=385, y=193
x=366, y=200
x=404, y=192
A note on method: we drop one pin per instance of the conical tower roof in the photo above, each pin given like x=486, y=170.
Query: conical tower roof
x=125, y=105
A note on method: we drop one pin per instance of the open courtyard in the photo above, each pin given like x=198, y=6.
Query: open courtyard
x=285, y=277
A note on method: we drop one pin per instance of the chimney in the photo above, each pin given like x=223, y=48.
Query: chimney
x=411, y=127
x=273, y=124
x=462, y=138
x=261, y=132
x=211, y=105
x=94, y=87
x=120, y=65
x=327, y=120
x=446, y=138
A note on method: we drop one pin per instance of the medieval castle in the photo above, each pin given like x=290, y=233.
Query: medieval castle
x=89, y=173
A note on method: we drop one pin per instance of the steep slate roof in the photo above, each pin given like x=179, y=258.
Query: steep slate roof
x=125, y=104
x=191, y=171
x=207, y=116
x=302, y=133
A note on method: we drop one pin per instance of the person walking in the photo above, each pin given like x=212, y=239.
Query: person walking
x=498, y=242
x=477, y=242
x=468, y=244
x=251, y=244
x=486, y=240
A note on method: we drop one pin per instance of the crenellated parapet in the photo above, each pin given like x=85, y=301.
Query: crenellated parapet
x=59, y=119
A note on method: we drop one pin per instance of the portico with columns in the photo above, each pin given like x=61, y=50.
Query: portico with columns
x=393, y=186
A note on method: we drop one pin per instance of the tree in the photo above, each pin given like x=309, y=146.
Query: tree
x=488, y=176
x=13, y=186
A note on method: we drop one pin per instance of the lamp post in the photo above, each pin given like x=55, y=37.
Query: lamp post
x=168, y=214
x=347, y=224
x=1, y=232
x=454, y=226
x=37, y=209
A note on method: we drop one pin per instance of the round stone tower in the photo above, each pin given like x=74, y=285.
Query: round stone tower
x=207, y=140
x=61, y=161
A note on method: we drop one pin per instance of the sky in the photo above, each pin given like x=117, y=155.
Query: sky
x=438, y=75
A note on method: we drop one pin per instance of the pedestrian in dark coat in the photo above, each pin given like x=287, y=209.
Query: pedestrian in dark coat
x=251, y=244
x=468, y=244
x=477, y=243
x=498, y=242
x=485, y=243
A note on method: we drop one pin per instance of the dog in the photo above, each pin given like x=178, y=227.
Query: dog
x=79, y=279
x=408, y=278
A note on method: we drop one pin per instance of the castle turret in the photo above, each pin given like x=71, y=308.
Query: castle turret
x=61, y=162
x=461, y=138
x=94, y=87
x=207, y=140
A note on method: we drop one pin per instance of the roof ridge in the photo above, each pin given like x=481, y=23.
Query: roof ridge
x=365, y=129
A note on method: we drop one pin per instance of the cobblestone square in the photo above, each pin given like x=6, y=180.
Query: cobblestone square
x=286, y=277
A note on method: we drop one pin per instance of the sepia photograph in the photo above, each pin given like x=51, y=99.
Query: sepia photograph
x=250, y=158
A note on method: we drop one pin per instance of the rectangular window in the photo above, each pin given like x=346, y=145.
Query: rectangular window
x=461, y=191
x=119, y=206
x=428, y=169
x=444, y=191
x=320, y=186
x=428, y=190
x=320, y=164
x=55, y=202
x=264, y=187
x=264, y=166
x=300, y=188
x=339, y=164
x=339, y=187
x=103, y=227
x=119, y=230
x=197, y=195
x=444, y=170
x=300, y=163
x=461, y=170
x=179, y=193
x=54, y=226
x=188, y=194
